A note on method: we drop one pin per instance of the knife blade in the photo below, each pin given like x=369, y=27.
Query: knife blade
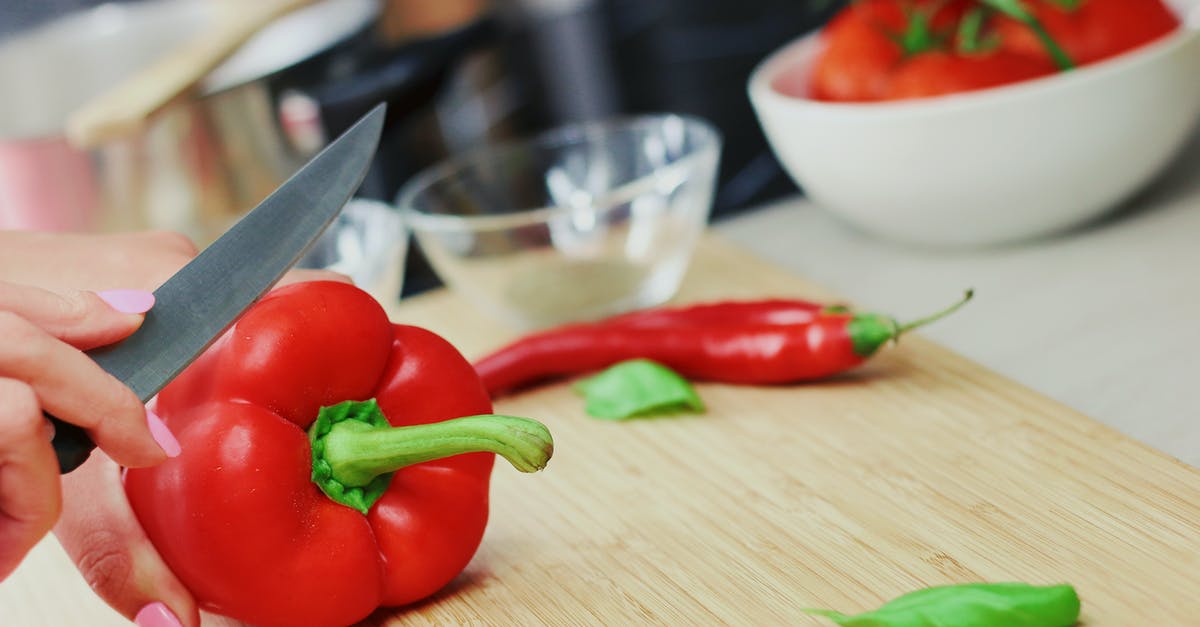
x=196, y=305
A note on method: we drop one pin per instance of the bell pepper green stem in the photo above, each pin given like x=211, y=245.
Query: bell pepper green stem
x=355, y=449
x=358, y=452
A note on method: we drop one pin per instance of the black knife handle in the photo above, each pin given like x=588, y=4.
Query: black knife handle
x=71, y=444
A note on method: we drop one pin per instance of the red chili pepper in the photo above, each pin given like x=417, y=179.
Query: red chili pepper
x=774, y=311
x=710, y=346
x=398, y=512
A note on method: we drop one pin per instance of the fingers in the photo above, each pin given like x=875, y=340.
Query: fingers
x=301, y=275
x=84, y=320
x=102, y=536
x=63, y=261
x=72, y=387
x=29, y=488
x=170, y=251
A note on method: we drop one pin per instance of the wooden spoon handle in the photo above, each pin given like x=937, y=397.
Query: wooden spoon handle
x=128, y=105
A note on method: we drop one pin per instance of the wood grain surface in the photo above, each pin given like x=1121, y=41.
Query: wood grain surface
x=918, y=469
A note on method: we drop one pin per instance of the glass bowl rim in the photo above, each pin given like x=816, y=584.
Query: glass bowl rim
x=709, y=141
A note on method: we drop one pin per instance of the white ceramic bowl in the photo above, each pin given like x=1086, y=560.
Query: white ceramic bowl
x=987, y=167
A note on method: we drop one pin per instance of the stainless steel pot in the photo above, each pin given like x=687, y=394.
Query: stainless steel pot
x=207, y=159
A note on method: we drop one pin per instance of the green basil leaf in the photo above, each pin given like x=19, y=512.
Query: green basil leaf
x=635, y=388
x=971, y=605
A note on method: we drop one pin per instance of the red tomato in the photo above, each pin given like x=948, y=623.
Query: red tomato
x=861, y=59
x=857, y=59
x=1096, y=30
x=859, y=52
x=942, y=73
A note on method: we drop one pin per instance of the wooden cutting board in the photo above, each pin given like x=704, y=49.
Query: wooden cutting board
x=921, y=468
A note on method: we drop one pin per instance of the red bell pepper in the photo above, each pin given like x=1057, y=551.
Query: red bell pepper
x=399, y=510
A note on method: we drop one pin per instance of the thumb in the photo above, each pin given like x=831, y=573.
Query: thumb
x=84, y=320
x=102, y=536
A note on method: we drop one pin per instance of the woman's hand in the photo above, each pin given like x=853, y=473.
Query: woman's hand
x=69, y=261
x=97, y=527
x=42, y=369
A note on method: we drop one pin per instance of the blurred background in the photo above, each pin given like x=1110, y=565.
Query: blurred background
x=455, y=73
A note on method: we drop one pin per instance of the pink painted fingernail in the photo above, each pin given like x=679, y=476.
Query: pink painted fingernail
x=128, y=301
x=156, y=615
x=163, y=435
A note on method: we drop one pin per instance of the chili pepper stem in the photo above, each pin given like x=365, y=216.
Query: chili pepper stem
x=869, y=331
x=920, y=322
x=355, y=450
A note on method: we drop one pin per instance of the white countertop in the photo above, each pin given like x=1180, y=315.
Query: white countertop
x=1105, y=319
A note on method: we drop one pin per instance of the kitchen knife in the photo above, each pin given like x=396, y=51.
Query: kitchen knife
x=196, y=305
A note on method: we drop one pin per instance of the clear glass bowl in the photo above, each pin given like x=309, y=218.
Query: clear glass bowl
x=580, y=222
x=368, y=242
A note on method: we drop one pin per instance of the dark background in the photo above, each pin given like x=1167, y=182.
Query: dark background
x=686, y=56
x=560, y=61
x=580, y=59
